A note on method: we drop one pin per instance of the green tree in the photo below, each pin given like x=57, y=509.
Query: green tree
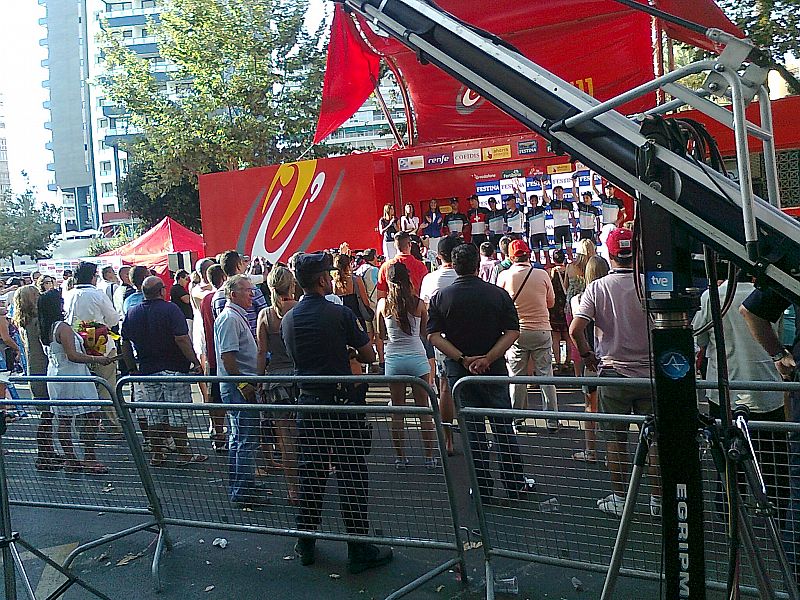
x=181, y=201
x=27, y=230
x=245, y=90
x=773, y=25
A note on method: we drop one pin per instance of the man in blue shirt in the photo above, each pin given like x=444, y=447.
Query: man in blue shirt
x=160, y=335
x=320, y=338
x=237, y=354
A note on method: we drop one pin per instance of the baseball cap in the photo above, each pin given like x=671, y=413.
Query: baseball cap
x=313, y=263
x=620, y=242
x=518, y=248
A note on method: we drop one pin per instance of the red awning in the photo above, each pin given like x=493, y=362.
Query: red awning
x=601, y=46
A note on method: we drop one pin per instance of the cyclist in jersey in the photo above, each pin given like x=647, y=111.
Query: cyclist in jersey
x=455, y=222
x=613, y=209
x=539, y=243
x=515, y=218
x=563, y=219
x=497, y=222
x=588, y=217
x=478, y=221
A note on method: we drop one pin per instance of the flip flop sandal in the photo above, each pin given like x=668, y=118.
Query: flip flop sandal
x=194, y=458
x=584, y=456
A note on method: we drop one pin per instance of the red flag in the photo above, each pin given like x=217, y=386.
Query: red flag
x=351, y=73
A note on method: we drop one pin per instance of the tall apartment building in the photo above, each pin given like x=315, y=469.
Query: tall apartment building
x=86, y=128
x=5, y=175
x=69, y=104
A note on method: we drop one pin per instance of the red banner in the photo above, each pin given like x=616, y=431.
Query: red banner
x=275, y=211
x=591, y=55
x=351, y=71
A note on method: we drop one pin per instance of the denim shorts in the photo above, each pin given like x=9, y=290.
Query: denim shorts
x=407, y=364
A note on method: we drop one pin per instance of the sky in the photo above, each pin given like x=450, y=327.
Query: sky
x=21, y=76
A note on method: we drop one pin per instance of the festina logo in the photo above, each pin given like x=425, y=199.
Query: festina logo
x=683, y=541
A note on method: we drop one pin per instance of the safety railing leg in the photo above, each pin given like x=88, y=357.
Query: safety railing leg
x=146, y=477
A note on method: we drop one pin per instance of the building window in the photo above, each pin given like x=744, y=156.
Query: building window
x=102, y=123
x=107, y=190
x=127, y=33
x=107, y=208
x=124, y=165
x=102, y=145
x=148, y=3
x=144, y=32
x=100, y=101
x=105, y=167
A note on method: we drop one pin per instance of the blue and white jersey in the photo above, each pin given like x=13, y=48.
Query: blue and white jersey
x=587, y=216
x=536, y=215
x=515, y=221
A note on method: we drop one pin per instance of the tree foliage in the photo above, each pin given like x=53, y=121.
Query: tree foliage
x=249, y=76
x=773, y=25
x=181, y=201
x=27, y=230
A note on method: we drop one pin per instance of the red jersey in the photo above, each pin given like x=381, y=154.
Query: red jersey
x=416, y=270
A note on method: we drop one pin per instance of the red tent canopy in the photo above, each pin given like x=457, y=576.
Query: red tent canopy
x=151, y=248
x=600, y=46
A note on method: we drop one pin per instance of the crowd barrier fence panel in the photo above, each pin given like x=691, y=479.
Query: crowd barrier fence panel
x=411, y=506
x=560, y=523
x=121, y=490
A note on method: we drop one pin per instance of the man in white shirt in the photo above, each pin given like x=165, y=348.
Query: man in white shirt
x=85, y=302
x=109, y=282
x=432, y=283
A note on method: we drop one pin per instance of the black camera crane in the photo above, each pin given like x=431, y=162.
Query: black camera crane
x=680, y=201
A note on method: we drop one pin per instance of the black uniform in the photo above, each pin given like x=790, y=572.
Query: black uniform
x=317, y=333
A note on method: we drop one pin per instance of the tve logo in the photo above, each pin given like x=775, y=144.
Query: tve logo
x=439, y=160
x=660, y=281
x=409, y=163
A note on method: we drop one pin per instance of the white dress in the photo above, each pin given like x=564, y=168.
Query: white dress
x=59, y=364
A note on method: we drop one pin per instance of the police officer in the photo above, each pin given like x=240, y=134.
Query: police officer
x=320, y=337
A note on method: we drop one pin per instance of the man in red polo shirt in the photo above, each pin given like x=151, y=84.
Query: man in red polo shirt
x=416, y=268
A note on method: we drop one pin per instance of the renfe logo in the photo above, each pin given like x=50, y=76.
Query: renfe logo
x=438, y=160
x=683, y=541
x=467, y=101
x=302, y=185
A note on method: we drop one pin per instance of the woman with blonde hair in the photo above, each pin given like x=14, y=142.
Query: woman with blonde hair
x=26, y=318
x=596, y=267
x=281, y=285
x=349, y=287
x=574, y=284
x=402, y=319
x=387, y=227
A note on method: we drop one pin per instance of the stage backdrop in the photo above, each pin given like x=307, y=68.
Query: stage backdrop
x=275, y=211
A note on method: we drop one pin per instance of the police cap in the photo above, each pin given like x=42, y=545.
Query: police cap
x=307, y=265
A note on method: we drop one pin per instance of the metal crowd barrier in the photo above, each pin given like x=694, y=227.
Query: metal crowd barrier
x=412, y=506
x=122, y=490
x=560, y=524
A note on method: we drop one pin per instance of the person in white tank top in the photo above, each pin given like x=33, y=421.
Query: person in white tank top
x=402, y=318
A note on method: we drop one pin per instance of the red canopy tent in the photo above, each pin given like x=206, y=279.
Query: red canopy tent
x=600, y=46
x=152, y=247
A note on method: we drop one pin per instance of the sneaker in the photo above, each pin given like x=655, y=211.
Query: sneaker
x=304, y=549
x=401, y=463
x=432, y=462
x=611, y=505
x=361, y=556
x=655, y=506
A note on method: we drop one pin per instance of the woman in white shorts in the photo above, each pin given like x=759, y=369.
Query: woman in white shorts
x=402, y=319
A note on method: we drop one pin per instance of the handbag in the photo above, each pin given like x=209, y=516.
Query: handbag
x=366, y=311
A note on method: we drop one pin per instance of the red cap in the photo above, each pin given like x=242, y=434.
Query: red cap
x=620, y=242
x=518, y=248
